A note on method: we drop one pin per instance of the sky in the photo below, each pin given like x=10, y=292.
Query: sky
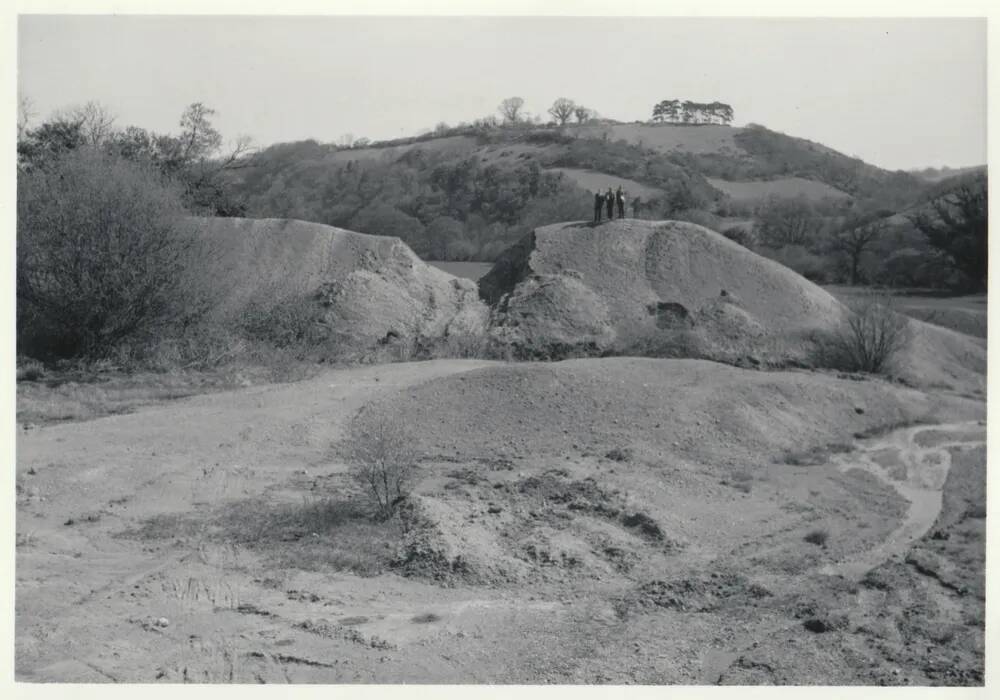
x=899, y=93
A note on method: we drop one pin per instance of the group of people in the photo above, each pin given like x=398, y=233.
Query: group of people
x=607, y=201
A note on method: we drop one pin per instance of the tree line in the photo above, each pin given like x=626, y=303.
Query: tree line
x=687, y=112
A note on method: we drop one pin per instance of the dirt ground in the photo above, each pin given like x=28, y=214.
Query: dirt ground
x=589, y=521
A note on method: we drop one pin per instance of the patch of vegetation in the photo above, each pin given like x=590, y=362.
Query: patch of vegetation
x=815, y=456
x=817, y=537
x=425, y=618
x=619, y=454
x=382, y=459
x=869, y=340
x=315, y=535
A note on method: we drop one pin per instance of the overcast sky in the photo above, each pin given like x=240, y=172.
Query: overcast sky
x=898, y=93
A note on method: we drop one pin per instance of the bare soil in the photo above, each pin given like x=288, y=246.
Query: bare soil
x=592, y=521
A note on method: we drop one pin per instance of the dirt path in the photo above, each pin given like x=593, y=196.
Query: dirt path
x=81, y=484
x=915, y=462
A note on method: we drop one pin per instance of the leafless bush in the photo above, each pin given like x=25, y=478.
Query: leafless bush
x=869, y=340
x=104, y=256
x=382, y=459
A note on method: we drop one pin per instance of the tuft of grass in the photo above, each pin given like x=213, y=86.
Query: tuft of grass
x=817, y=537
x=815, y=456
x=425, y=618
x=315, y=535
x=619, y=454
x=741, y=480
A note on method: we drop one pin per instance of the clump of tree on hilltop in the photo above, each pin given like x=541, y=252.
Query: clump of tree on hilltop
x=687, y=112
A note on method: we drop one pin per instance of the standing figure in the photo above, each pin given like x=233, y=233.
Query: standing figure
x=609, y=199
x=598, y=206
x=620, y=198
x=636, y=205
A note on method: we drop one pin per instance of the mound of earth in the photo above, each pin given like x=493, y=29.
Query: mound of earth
x=614, y=288
x=654, y=408
x=644, y=274
x=363, y=290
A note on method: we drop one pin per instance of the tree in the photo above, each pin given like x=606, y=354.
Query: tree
x=582, y=114
x=381, y=458
x=510, y=109
x=48, y=142
x=857, y=237
x=440, y=232
x=199, y=138
x=103, y=255
x=562, y=109
x=25, y=113
x=786, y=221
x=97, y=123
x=959, y=228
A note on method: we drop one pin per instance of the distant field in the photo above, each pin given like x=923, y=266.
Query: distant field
x=449, y=144
x=470, y=270
x=590, y=181
x=965, y=314
x=785, y=187
x=693, y=139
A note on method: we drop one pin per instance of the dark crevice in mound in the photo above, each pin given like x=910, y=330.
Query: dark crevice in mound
x=510, y=269
x=670, y=314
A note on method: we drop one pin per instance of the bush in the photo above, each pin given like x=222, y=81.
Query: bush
x=817, y=537
x=104, y=256
x=869, y=340
x=382, y=460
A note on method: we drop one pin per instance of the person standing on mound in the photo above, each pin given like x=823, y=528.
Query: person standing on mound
x=620, y=199
x=598, y=206
x=610, y=200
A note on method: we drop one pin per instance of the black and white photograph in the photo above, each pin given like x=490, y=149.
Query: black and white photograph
x=494, y=350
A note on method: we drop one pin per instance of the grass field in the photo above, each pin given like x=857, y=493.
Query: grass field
x=590, y=181
x=749, y=191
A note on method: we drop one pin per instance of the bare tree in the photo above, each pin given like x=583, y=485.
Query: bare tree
x=855, y=239
x=871, y=339
x=25, y=113
x=562, y=109
x=199, y=138
x=786, y=221
x=96, y=122
x=382, y=459
x=510, y=109
x=584, y=114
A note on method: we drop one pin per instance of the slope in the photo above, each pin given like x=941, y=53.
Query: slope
x=363, y=290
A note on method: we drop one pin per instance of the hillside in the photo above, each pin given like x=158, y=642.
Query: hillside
x=468, y=193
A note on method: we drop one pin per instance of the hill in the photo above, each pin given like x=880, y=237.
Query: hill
x=678, y=289
x=468, y=193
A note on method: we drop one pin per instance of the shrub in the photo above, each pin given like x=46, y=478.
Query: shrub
x=104, y=255
x=817, y=537
x=281, y=322
x=869, y=340
x=382, y=460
